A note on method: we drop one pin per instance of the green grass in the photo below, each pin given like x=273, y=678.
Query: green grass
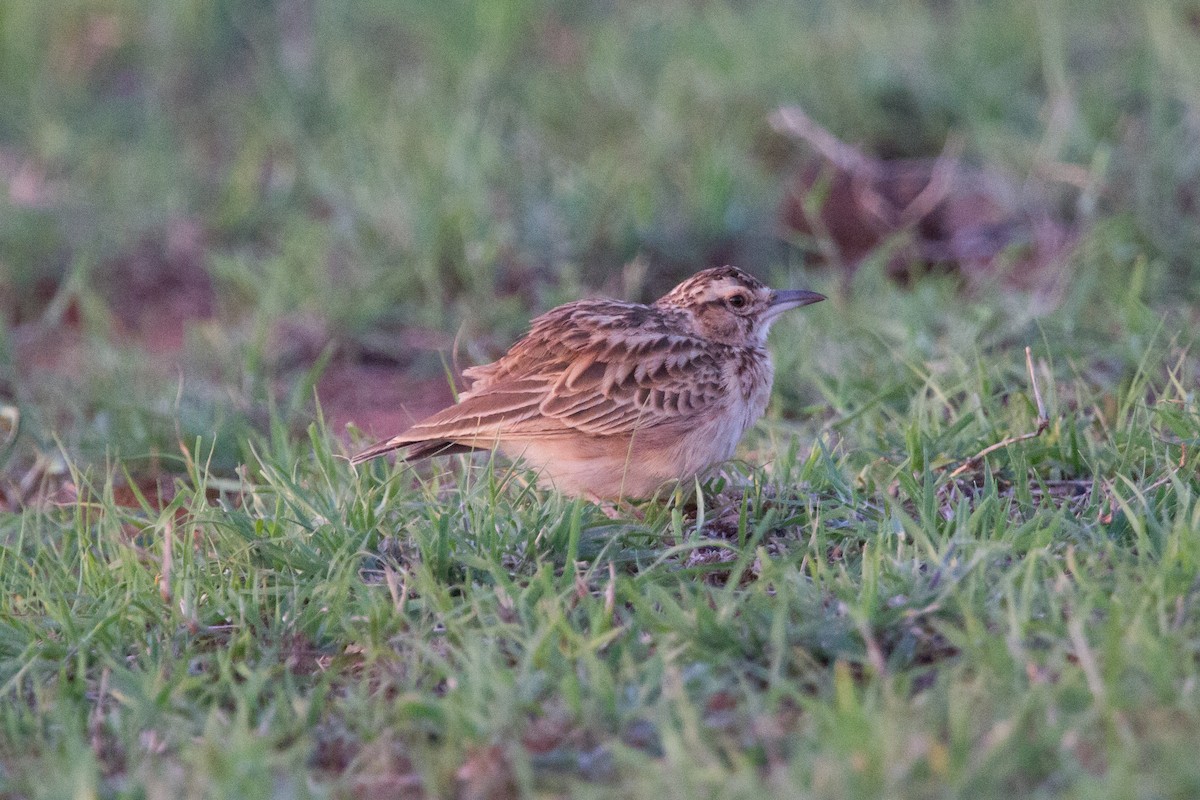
x=201, y=599
x=848, y=621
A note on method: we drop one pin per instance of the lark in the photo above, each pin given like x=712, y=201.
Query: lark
x=613, y=400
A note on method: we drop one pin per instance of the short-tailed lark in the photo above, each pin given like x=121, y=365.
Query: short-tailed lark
x=614, y=400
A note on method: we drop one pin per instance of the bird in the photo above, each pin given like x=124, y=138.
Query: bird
x=615, y=401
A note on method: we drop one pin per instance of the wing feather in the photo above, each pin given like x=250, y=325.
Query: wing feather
x=604, y=393
x=598, y=368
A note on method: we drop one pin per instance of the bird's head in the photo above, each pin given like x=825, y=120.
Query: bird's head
x=730, y=306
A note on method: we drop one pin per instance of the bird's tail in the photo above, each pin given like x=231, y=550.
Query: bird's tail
x=376, y=450
x=417, y=449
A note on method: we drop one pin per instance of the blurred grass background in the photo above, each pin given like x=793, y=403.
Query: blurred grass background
x=213, y=212
x=282, y=178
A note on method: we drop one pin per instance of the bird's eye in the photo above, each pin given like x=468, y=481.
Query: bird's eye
x=738, y=300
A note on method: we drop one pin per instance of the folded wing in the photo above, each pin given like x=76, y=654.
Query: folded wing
x=583, y=369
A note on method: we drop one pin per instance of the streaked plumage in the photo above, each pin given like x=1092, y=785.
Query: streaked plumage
x=614, y=400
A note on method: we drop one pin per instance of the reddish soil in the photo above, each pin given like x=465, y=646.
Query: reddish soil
x=155, y=294
x=379, y=400
x=157, y=289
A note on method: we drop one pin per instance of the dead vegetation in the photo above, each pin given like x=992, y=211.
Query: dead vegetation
x=940, y=214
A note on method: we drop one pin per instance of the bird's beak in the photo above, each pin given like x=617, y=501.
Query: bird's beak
x=787, y=299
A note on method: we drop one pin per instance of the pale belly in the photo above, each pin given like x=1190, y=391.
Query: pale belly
x=633, y=467
x=614, y=468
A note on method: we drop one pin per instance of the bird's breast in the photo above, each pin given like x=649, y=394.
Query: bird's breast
x=755, y=375
x=749, y=377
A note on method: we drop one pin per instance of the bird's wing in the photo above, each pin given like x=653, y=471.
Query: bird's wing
x=605, y=392
x=635, y=383
x=583, y=368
